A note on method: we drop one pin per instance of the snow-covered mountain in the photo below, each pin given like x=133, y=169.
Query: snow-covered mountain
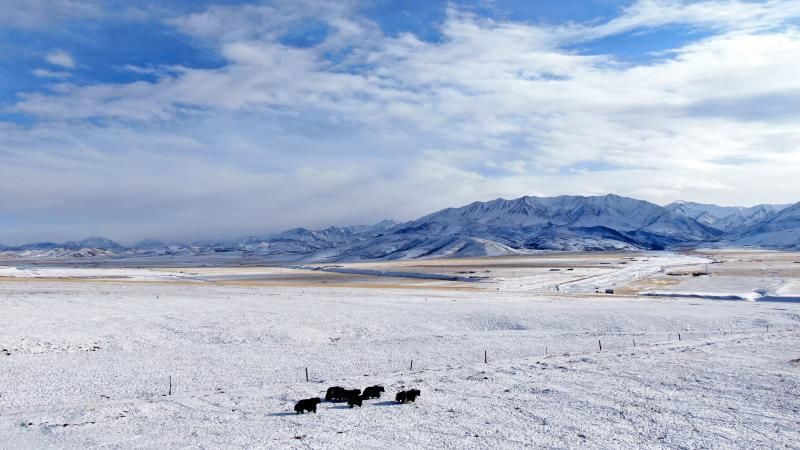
x=609, y=210
x=497, y=227
x=725, y=218
x=87, y=248
x=92, y=242
x=780, y=230
x=750, y=217
x=302, y=241
x=501, y=226
x=95, y=243
x=290, y=245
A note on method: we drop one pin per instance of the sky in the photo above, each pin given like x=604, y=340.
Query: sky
x=197, y=119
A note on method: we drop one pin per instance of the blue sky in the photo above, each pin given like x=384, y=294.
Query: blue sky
x=197, y=119
x=116, y=36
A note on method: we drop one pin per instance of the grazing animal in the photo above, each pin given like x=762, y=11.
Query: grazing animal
x=355, y=400
x=400, y=397
x=340, y=394
x=407, y=396
x=347, y=393
x=333, y=393
x=373, y=392
x=309, y=404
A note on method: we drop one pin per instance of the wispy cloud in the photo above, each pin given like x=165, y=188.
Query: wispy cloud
x=722, y=15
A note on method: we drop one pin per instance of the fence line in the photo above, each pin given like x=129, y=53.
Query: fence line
x=590, y=343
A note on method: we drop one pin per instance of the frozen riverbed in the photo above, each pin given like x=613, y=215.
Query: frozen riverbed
x=88, y=363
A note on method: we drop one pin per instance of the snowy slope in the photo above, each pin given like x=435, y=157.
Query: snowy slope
x=301, y=241
x=608, y=211
x=704, y=213
x=781, y=230
x=612, y=211
x=749, y=217
x=724, y=218
x=88, y=248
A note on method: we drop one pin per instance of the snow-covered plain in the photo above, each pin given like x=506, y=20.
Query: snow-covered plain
x=133, y=274
x=87, y=363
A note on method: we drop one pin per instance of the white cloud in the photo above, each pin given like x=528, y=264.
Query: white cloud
x=44, y=73
x=60, y=58
x=281, y=136
x=726, y=15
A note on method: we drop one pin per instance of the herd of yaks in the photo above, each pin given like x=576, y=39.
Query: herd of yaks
x=353, y=397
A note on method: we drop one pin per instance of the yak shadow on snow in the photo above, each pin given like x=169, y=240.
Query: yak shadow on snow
x=386, y=403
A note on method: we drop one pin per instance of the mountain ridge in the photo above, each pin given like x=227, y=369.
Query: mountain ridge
x=725, y=218
x=495, y=227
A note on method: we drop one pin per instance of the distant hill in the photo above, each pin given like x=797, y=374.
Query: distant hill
x=780, y=230
x=496, y=227
x=725, y=218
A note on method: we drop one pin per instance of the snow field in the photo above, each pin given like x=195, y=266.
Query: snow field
x=237, y=358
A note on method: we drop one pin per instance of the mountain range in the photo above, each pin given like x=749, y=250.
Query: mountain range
x=493, y=228
x=725, y=218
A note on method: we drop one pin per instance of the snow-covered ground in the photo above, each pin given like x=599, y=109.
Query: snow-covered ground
x=605, y=274
x=132, y=274
x=88, y=363
x=745, y=275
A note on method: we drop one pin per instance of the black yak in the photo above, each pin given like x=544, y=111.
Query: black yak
x=355, y=400
x=373, y=392
x=309, y=404
x=333, y=393
x=340, y=394
x=347, y=393
x=407, y=396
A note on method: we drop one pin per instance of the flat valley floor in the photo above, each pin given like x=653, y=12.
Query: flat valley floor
x=605, y=350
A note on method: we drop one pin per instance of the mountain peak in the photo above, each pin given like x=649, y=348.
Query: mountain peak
x=94, y=242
